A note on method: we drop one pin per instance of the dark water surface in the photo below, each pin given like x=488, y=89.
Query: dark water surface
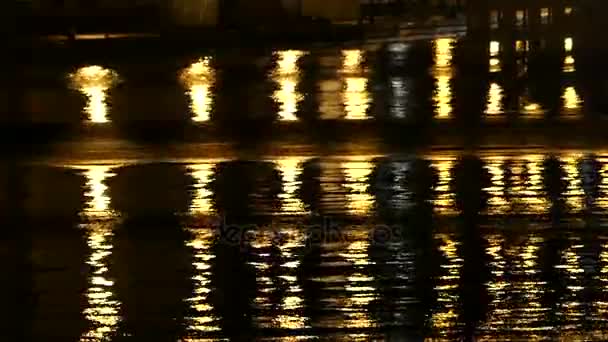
x=496, y=245
x=376, y=192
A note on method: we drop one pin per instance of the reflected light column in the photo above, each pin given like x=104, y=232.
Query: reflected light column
x=571, y=103
x=291, y=317
x=601, y=306
x=360, y=284
x=571, y=306
x=202, y=173
x=497, y=285
x=442, y=72
x=102, y=309
x=497, y=202
x=199, y=79
x=602, y=200
x=287, y=74
x=355, y=94
x=494, y=61
x=357, y=173
x=444, y=203
x=445, y=319
x=94, y=82
x=290, y=168
x=494, y=107
x=574, y=194
x=201, y=318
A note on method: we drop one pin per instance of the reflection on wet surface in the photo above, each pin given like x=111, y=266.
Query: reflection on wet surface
x=328, y=235
x=500, y=244
x=94, y=81
x=287, y=75
x=350, y=84
x=443, y=73
x=198, y=78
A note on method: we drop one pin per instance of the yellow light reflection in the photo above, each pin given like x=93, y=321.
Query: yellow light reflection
x=444, y=319
x=574, y=194
x=97, y=199
x=494, y=105
x=601, y=306
x=516, y=290
x=281, y=282
x=569, y=64
x=443, y=202
x=290, y=168
x=355, y=95
x=352, y=61
x=287, y=75
x=442, y=71
x=495, y=65
x=292, y=239
x=497, y=203
x=201, y=318
x=443, y=97
x=568, y=44
x=356, y=98
x=359, y=285
x=199, y=79
x=102, y=309
x=94, y=82
x=570, y=304
x=602, y=200
x=571, y=102
x=443, y=52
x=202, y=173
x=494, y=48
x=357, y=173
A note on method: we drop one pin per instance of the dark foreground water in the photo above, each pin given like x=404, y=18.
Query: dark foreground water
x=392, y=192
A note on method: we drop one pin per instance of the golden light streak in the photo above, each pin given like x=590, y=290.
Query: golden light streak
x=574, y=194
x=495, y=96
x=356, y=98
x=568, y=44
x=569, y=65
x=443, y=97
x=290, y=168
x=199, y=79
x=355, y=95
x=102, y=309
x=98, y=201
x=443, y=73
x=444, y=319
x=287, y=75
x=495, y=65
x=571, y=102
x=202, y=173
x=352, y=61
x=494, y=48
x=201, y=318
x=94, y=82
x=443, y=202
x=443, y=52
